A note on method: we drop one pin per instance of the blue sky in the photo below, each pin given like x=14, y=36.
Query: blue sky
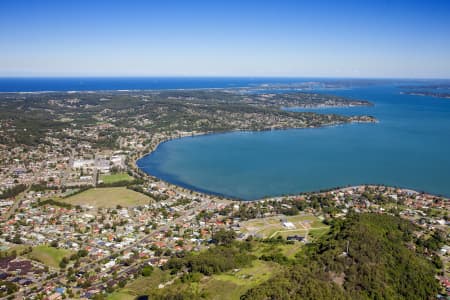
x=225, y=38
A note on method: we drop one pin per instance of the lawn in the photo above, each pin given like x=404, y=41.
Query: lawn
x=120, y=296
x=112, y=178
x=227, y=285
x=108, y=197
x=272, y=226
x=286, y=233
x=259, y=271
x=48, y=255
x=318, y=232
x=141, y=285
x=290, y=250
x=231, y=285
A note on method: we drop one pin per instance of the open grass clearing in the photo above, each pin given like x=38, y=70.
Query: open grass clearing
x=286, y=233
x=318, y=232
x=48, y=255
x=273, y=226
x=113, y=178
x=120, y=296
x=228, y=285
x=108, y=197
x=142, y=285
x=290, y=250
x=231, y=285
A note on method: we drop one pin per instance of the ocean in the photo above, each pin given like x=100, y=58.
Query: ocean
x=132, y=83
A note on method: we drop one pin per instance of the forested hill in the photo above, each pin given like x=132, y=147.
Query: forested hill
x=384, y=261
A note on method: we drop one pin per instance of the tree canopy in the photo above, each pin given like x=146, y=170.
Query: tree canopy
x=379, y=264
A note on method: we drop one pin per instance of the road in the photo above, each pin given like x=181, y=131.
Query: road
x=89, y=266
x=18, y=199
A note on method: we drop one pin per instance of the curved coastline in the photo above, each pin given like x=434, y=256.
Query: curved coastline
x=174, y=183
x=180, y=184
x=206, y=192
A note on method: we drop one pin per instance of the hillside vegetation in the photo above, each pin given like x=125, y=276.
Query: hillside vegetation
x=380, y=264
x=384, y=260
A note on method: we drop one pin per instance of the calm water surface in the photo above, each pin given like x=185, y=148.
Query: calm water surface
x=37, y=84
x=409, y=147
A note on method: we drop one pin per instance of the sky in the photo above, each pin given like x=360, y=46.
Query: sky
x=389, y=39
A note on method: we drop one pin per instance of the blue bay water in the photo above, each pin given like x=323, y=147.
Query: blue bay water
x=409, y=148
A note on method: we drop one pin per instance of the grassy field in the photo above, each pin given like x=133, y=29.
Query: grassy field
x=112, y=178
x=108, y=197
x=273, y=227
x=48, y=255
x=141, y=286
x=229, y=285
x=290, y=250
x=317, y=232
x=232, y=285
x=121, y=296
x=224, y=286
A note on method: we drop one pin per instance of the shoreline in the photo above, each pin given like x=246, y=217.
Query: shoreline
x=206, y=193
x=224, y=197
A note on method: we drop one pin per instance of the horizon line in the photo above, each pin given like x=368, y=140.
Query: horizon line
x=216, y=76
